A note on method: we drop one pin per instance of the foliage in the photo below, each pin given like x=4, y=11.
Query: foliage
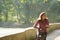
x=27, y=11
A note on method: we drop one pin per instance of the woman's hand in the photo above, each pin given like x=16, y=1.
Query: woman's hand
x=47, y=26
x=36, y=27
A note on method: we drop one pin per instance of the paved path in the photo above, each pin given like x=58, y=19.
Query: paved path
x=54, y=35
x=8, y=31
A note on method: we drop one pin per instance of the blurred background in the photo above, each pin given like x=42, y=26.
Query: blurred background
x=23, y=13
x=18, y=16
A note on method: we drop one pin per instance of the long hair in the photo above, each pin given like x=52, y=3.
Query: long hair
x=40, y=16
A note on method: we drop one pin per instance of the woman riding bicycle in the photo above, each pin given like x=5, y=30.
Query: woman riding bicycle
x=43, y=23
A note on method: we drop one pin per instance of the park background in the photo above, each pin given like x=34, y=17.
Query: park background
x=23, y=13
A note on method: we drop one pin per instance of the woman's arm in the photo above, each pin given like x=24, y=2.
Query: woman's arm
x=35, y=24
x=47, y=23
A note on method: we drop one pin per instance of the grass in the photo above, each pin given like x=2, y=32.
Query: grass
x=29, y=34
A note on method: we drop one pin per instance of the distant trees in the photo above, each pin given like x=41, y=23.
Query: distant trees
x=27, y=11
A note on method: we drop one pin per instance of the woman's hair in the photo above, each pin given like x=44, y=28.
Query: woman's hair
x=41, y=14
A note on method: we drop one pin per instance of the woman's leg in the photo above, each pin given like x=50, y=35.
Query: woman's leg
x=45, y=35
x=38, y=36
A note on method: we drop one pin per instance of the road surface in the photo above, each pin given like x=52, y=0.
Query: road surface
x=54, y=35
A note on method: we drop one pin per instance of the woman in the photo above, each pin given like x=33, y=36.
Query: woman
x=43, y=23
